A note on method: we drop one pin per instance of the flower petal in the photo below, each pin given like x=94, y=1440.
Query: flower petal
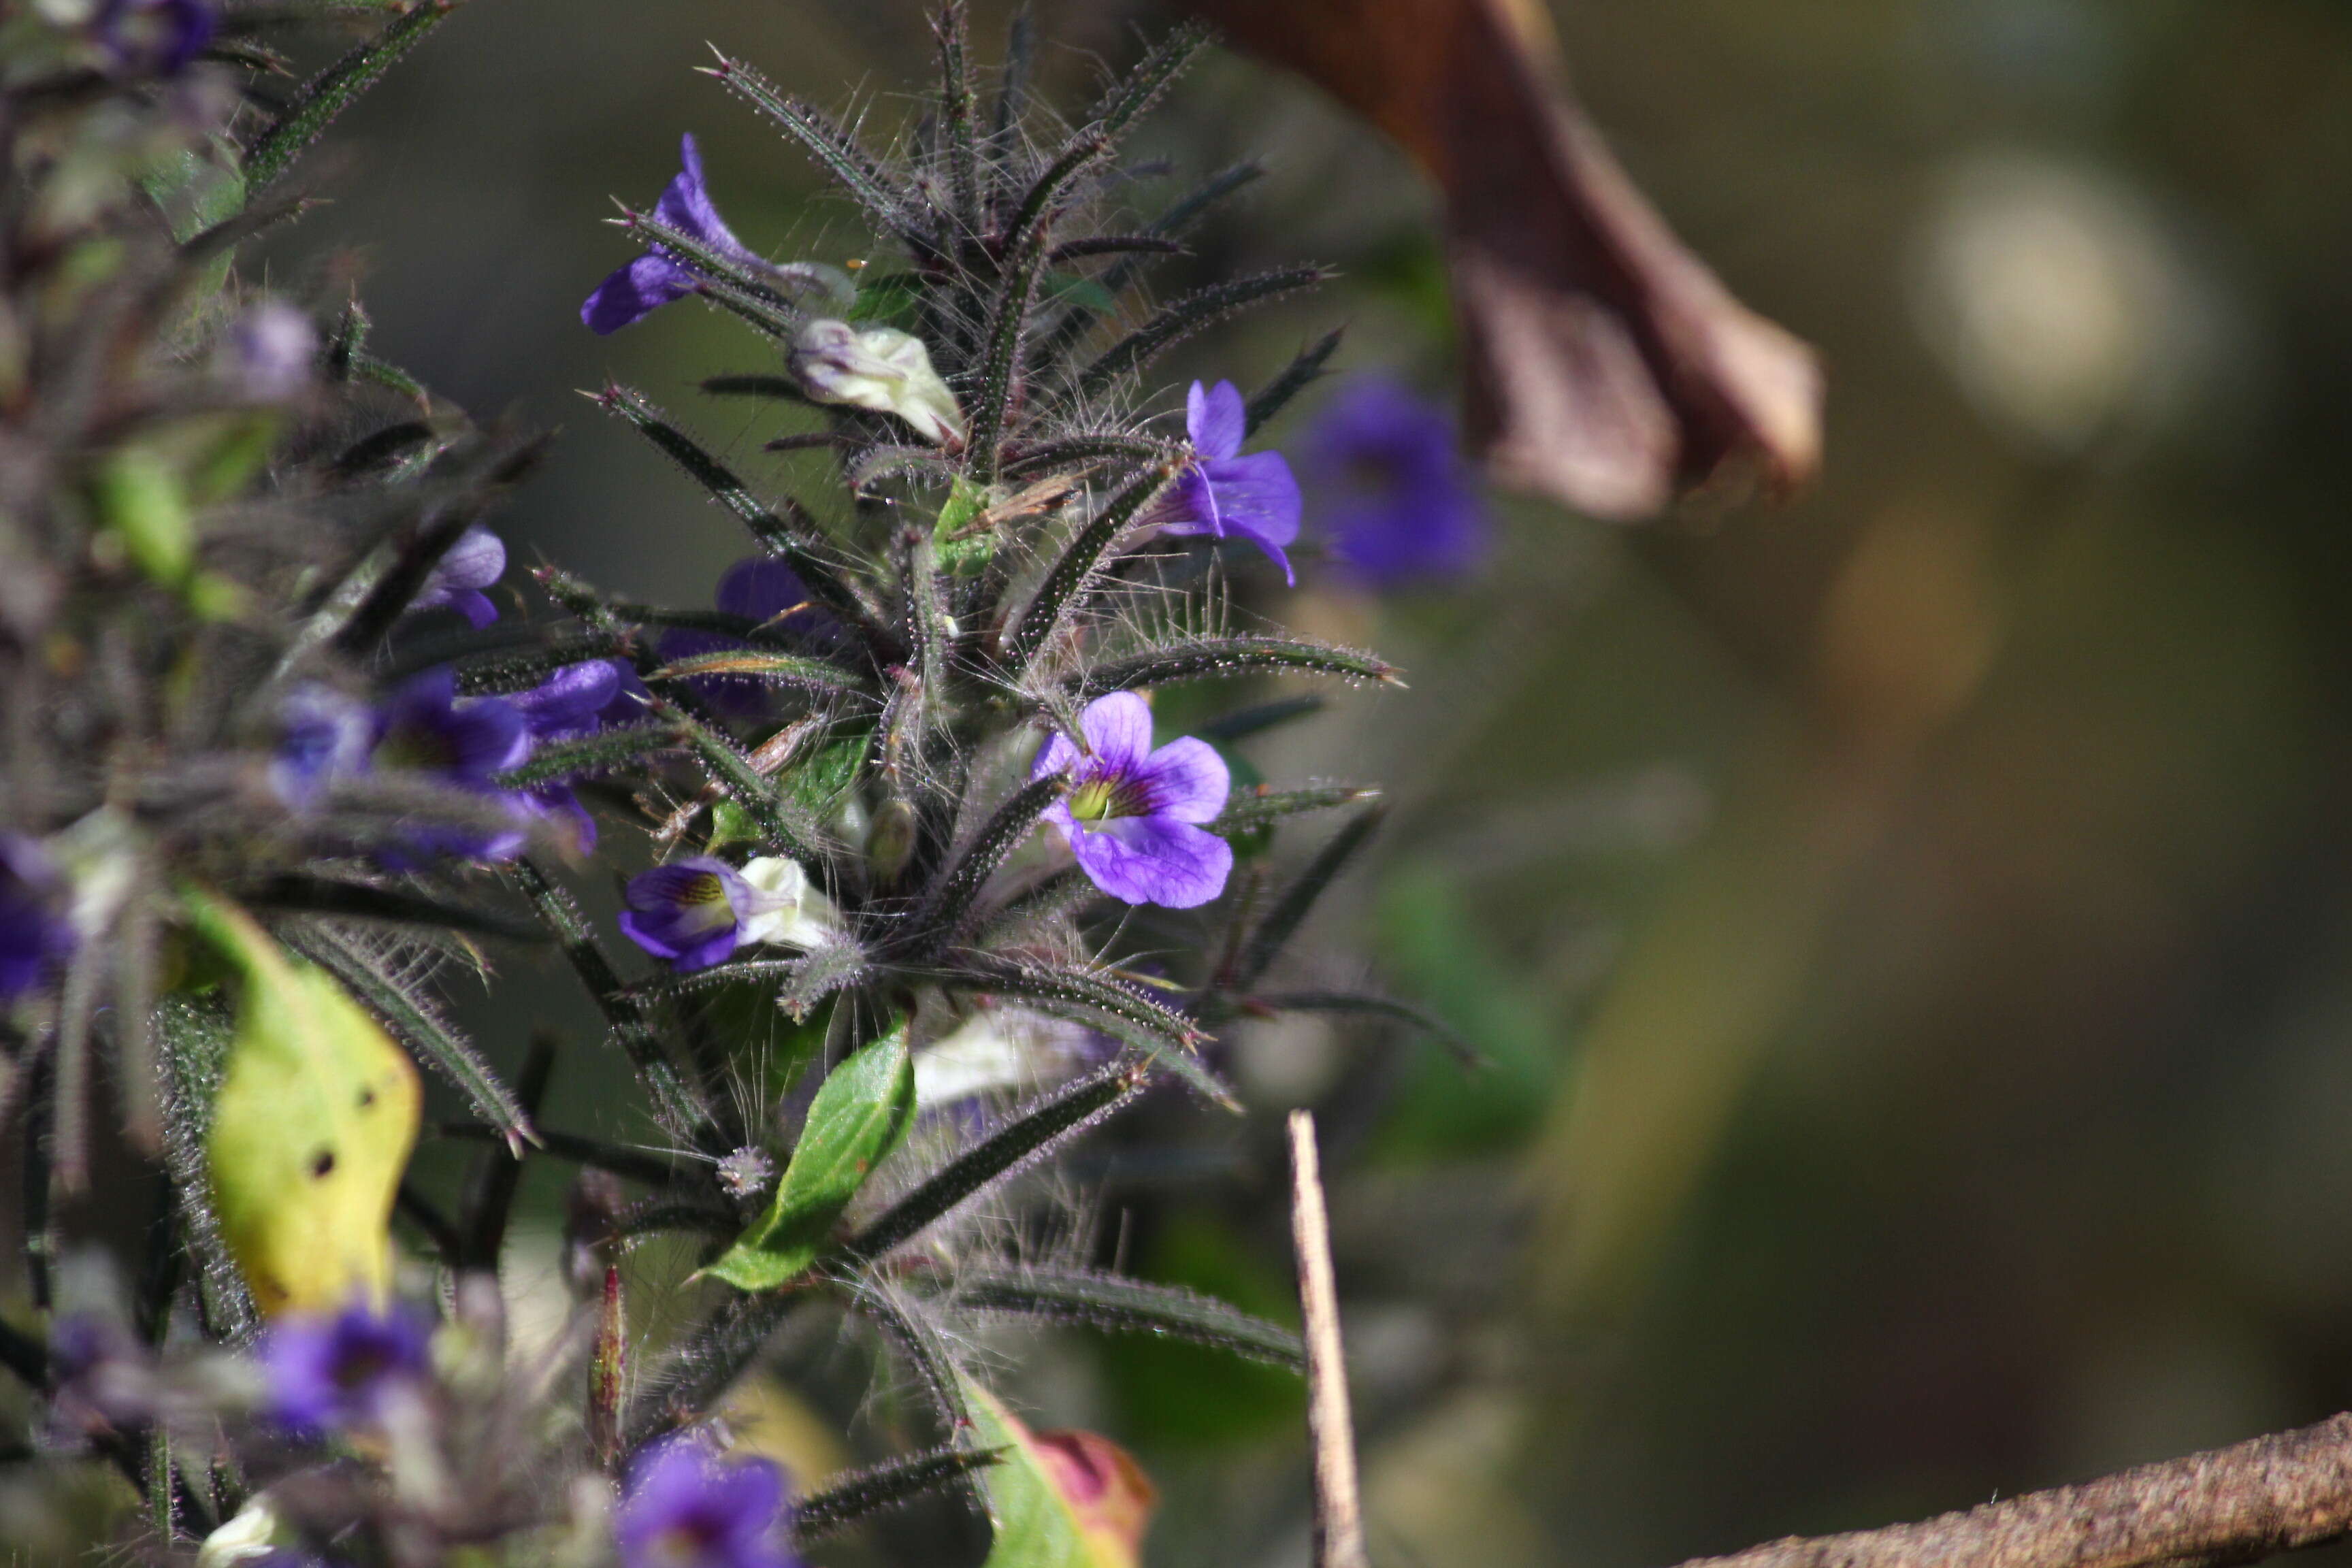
x=1216, y=419
x=567, y=703
x=689, y=912
x=686, y=205
x=1058, y=755
x=635, y=292
x=1154, y=860
x=1256, y=498
x=1118, y=728
x=1186, y=781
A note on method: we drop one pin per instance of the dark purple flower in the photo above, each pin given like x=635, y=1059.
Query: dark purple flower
x=1223, y=494
x=34, y=931
x=685, y=1507
x=695, y=911
x=770, y=593
x=1391, y=489
x=477, y=560
x=326, y=1374
x=689, y=912
x=657, y=278
x=269, y=351
x=324, y=735
x=567, y=705
x=157, y=36
x=1132, y=814
x=465, y=744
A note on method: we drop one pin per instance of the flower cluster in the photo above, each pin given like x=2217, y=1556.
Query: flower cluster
x=920, y=841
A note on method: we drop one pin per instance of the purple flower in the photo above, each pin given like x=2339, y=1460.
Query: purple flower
x=657, y=278
x=1391, y=489
x=770, y=593
x=323, y=735
x=477, y=560
x=567, y=705
x=326, y=1374
x=99, y=1373
x=685, y=1507
x=1224, y=494
x=695, y=911
x=160, y=36
x=689, y=912
x=267, y=353
x=465, y=744
x=34, y=932
x=1131, y=815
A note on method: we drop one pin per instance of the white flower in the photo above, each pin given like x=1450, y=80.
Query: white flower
x=786, y=909
x=256, y=1532
x=997, y=1048
x=880, y=368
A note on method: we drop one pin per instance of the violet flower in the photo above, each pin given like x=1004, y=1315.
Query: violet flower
x=463, y=744
x=1132, y=814
x=657, y=278
x=157, y=36
x=567, y=705
x=1391, y=489
x=685, y=1507
x=697, y=911
x=474, y=563
x=35, y=932
x=1223, y=494
x=324, y=734
x=329, y=1373
x=769, y=593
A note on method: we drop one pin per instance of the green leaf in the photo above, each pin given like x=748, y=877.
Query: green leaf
x=1034, y=1523
x=963, y=556
x=856, y=1120
x=730, y=824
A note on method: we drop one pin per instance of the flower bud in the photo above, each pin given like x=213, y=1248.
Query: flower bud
x=881, y=368
x=890, y=842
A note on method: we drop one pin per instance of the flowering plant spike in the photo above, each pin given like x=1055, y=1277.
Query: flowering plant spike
x=917, y=884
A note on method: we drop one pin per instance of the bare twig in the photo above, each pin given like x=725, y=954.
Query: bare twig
x=1330, y=1430
x=2239, y=1504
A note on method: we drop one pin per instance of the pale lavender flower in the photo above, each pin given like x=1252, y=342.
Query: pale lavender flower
x=269, y=351
x=1223, y=494
x=474, y=563
x=1132, y=814
x=324, y=734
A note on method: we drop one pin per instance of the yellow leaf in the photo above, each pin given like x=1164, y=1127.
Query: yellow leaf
x=312, y=1127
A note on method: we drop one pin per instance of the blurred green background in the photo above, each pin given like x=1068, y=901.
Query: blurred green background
x=1910, y=927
